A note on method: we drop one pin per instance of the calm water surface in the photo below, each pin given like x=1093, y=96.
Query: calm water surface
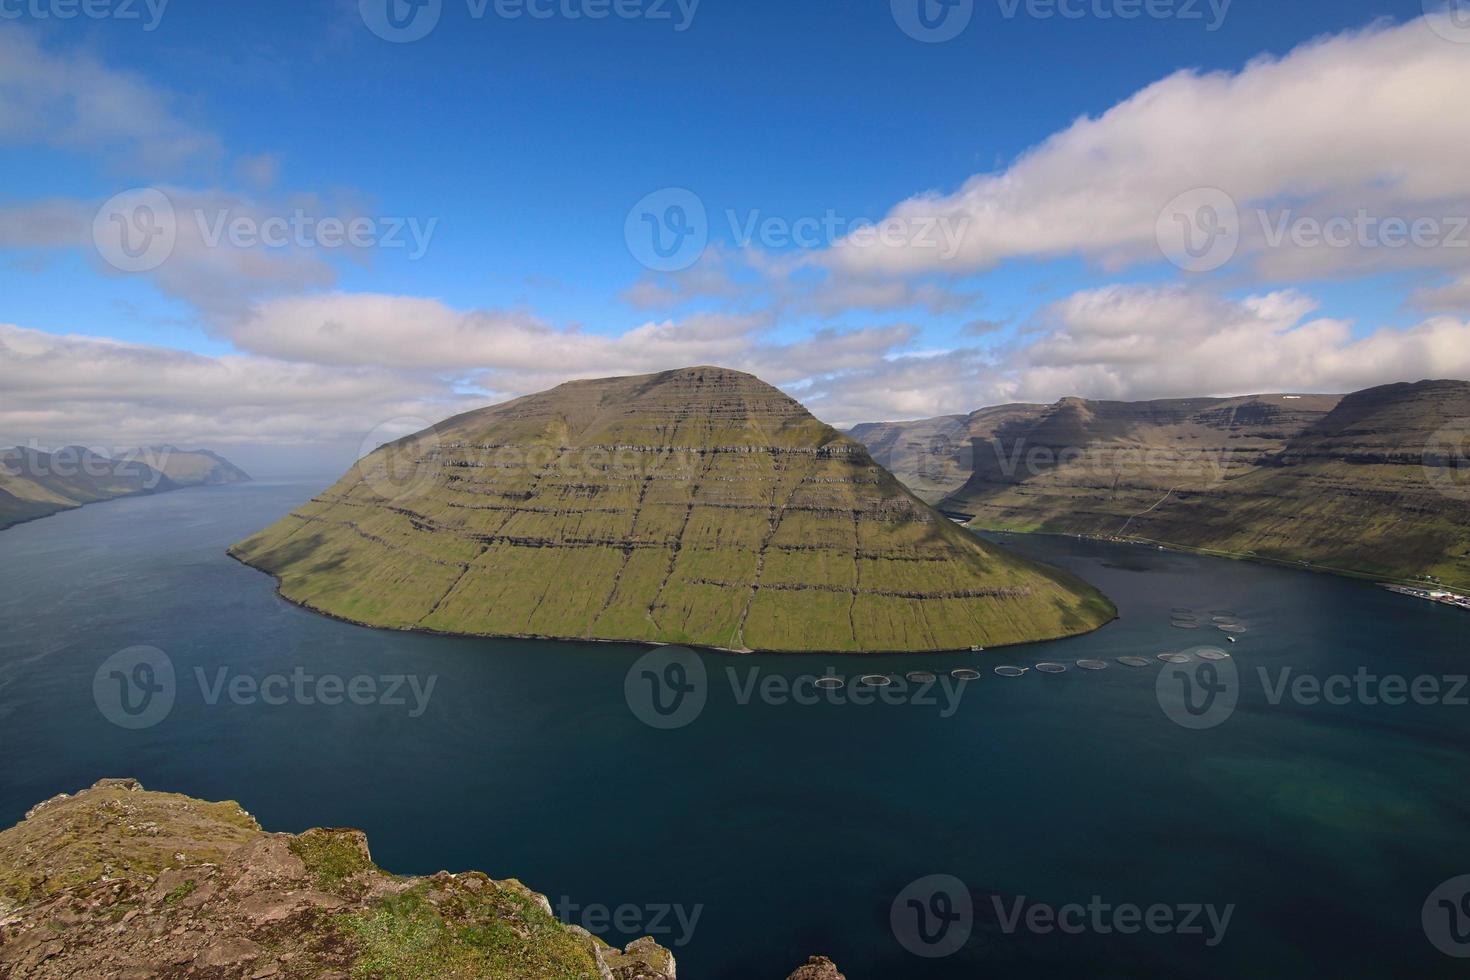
x=791, y=827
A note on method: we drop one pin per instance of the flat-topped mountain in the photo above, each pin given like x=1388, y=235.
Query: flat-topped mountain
x=699, y=506
x=1374, y=483
x=36, y=484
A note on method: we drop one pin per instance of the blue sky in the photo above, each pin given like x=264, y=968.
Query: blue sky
x=525, y=142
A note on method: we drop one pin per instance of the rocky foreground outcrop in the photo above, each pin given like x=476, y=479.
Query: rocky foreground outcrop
x=120, y=882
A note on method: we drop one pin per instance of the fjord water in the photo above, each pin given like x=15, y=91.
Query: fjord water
x=789, y=827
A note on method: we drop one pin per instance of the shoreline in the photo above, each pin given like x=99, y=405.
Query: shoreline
x=1296, y=564
x=1449, y=597
x=656, y=644
x=122, y=496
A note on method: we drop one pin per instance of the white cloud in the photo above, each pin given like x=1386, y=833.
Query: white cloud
x=1135, y=343
x=74, y=102
x=1373, y=119
x=514, y=351
x=65, y=389
x=1451, y=296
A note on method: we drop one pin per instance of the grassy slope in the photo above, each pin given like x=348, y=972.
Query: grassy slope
x=700, y=506
x=1354, y=491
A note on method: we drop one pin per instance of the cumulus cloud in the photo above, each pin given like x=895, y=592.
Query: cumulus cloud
x=1135, y=343
x=71, y=101
x=1452, y=296
x=226, y=250
x=1372, y=119
x=65, y=389
x=515, y=352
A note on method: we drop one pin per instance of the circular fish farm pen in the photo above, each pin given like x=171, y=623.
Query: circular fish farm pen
x=1225, y=620
x=1052, y=668
x=1180, y=624
x=1212, y=654
x=1227, y=613
x=1134, y=661
x=1010, y=671
x=1174, y=658
x=876, y=680
x=920, y=677
x=830, y=683
x=965, y=674
x=1234, y=628
x=1093, y=664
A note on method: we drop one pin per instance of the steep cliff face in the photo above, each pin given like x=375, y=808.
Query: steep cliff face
x=118, y=882
x=699, y=506
x=1374, y=483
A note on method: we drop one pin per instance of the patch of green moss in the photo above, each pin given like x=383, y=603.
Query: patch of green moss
x=495, y=935
x=180, y=893
x=331, y=857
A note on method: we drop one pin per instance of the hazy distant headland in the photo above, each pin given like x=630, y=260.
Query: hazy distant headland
x=35, y=483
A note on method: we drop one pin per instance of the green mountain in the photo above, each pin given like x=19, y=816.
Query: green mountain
x=699, y=506
x=1375, y=483
x=37, y=484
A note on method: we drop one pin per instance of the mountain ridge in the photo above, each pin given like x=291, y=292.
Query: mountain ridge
x=1372, y=483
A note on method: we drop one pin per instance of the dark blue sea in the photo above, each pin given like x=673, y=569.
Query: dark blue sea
x=1207, y=819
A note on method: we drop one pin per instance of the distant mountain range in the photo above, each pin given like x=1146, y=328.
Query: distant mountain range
x=1374, y=483
x=37, y=484
x=699, y=506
